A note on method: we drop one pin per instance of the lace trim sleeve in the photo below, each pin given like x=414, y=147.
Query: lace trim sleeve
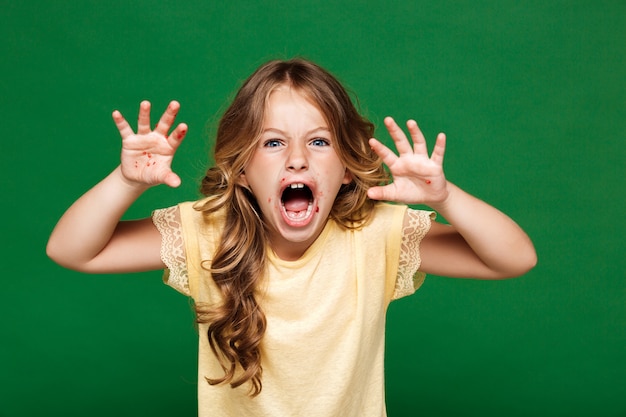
x=167, y=221
x=409, y=278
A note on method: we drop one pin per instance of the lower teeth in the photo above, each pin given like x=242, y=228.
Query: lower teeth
x=297, y=215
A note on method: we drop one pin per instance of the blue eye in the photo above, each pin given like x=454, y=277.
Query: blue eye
x=320, y=142
x=272, y=143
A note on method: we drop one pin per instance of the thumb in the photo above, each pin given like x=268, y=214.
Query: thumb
x=378, y=193
x=172, y=180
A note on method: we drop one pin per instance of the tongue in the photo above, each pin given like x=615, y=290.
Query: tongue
x=297, y=204
x=296, y=200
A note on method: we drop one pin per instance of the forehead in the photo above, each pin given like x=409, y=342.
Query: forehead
x=286, y=105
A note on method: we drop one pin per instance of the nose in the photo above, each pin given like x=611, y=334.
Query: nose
x=297, y=159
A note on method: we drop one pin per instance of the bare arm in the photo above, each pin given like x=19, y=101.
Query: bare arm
x=480, y=242
x=90, y=237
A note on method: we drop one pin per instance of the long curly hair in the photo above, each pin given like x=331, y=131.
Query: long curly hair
x=236, y=327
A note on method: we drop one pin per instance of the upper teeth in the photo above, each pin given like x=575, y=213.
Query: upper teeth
x=296, y=185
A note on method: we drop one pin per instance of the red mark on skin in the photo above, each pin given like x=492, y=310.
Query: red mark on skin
x=149, y=155
x=269, y=200
x=317, y=209
x=181, y=134
x=427, y=181
x=145, y=153
x=282, y=180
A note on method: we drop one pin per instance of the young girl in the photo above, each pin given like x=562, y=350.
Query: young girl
x=291, y=259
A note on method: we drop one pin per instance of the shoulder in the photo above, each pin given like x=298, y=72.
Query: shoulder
x=400, y=216
x=385, y=223
x=399, y=222
x=188, y=220
x=196, y=215
x=385, y=214
x=384, y=208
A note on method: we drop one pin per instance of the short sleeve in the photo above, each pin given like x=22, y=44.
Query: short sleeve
x=409, y=279
x=168, y=222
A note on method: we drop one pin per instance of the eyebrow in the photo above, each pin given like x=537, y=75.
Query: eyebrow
x=315, y=130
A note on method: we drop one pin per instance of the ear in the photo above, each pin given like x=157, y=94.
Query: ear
x=243, y=181
x=347, y=178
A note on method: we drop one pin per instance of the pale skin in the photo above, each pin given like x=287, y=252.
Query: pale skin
x=480, y=242
x=295, y=147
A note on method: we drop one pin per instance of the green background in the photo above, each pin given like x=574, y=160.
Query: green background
x=531, y=95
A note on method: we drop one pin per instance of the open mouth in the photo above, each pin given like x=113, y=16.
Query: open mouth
x=297, y=202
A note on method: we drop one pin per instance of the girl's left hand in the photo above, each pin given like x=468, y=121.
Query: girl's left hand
x=417, y=178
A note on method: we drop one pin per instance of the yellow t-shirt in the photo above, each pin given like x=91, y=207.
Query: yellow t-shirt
x=323, y=350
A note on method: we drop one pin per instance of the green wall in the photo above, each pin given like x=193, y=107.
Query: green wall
x=532, y=96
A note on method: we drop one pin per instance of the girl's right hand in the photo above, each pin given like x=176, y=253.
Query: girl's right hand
x=147, y=155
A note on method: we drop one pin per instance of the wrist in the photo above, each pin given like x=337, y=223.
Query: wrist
x=447, y=201
x=131, y=186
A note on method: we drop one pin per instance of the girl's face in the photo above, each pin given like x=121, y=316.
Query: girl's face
x=295, y=172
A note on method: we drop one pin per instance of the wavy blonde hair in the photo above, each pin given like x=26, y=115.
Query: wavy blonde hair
x=236, y=328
